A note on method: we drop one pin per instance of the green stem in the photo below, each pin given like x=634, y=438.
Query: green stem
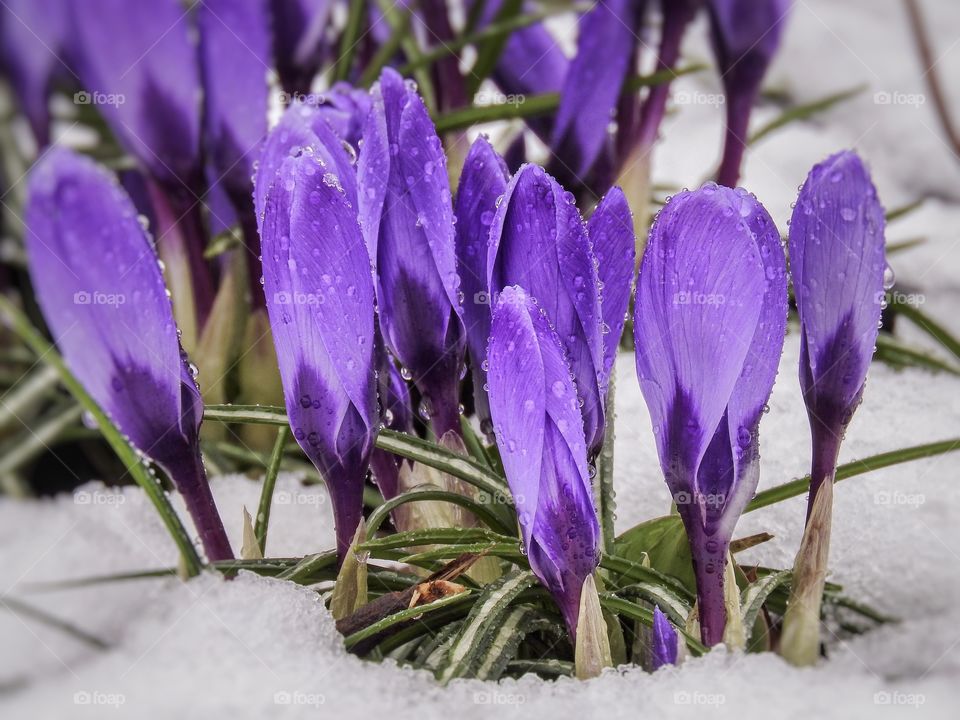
x=266, y=493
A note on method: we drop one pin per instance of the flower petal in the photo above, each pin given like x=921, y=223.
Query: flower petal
x=482, y=182
x=539, y=241
x=606, y=52
x=611, y=233
x=665, y=641
x=319, y=289
x=837, y=259
x=140, y=60
x=534, y=406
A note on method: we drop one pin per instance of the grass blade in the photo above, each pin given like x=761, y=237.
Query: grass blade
x=807, y=110
x=269, y=482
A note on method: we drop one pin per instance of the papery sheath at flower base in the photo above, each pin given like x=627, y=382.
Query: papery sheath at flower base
x=539, y=432
x=539, y=241
x=98, y=282
x=320, y=299
x=139, y=60
x=407, y=219
x=709, y=325
x=746, y=36
x=482, y=182
x=838, y=266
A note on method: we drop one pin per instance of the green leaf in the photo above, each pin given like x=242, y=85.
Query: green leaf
x=349, y=40
x=852, y=469
x=399, y=32
x=755, y=595
x=490, y=49
x=31, y=389
x=904, y=210
x=29, y=612
x=541, y=104
x=433, y=536
x=127, y=454
x=923, y=321
x=664, y=540
x=674, y=605
x=479, y=630
x=423, y=493
x=807, y=110
x=605, y=496
x=38, y=437
x=304, y=570
x=644, y=615
x=404, y=615
x=269, y=482
x=898, y=355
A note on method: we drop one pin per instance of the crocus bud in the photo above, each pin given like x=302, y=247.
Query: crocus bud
x=483, y=181
x=709, y=324
x=539, y=430
x=838, y=266
x=539, y=242
x=138, y=60
x=99, y=284
x=746, y=36
x=665, y=644
x=320, y=299
x=407, y=219
x=606, y=52
x=34, y=44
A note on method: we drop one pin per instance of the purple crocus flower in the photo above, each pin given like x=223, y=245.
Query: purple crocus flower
x=345, y=109
x=709, y=324
x=482, y=182
x=407, y=220
x=837, y=262
x=746, y=35
x=665, y=644
x=539, y=432
x=34, y=38
x=112, y=320
x=538, y=241
x=320, y=300
x=396, y=413
x=606, y=53
x=139, y=64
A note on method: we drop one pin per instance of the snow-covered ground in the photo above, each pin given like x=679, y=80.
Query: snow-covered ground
x=262, y=648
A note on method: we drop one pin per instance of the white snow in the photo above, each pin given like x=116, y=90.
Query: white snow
x=257, y=648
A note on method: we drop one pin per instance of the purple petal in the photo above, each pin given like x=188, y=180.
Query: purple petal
x=407, y=218
x=611, y=233
x=320, y=300
x=299, y=29
x=113, y=321
x=606, y=52
x=837, y=260
x=539, y=241
x=537, y=422
x=235, y=58
x=746, y=35
x=345, y=109
x=140, y=66
x=482, y=182
x=665, y=641
x=34, y=38
x=396, y=413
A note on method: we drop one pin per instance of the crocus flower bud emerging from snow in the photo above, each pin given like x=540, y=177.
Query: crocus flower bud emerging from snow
x=99, y=284
x=664, y=641
x=407, y=219
x=482, y=182
x=709, y=324
x=320, y=299
x=839, y=277
x=539, y=432
x=746, y=36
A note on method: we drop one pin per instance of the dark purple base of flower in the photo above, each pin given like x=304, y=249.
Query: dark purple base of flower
x=188, y=476
x=709, y=562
